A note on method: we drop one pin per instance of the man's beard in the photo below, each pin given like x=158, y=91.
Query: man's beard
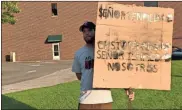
x=90, y=41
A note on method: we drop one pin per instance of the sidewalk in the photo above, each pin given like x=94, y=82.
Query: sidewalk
x=61, y=76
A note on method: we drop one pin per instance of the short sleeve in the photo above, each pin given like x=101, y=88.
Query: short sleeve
x=76, y=65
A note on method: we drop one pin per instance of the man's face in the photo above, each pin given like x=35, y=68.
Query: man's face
x=89, y=35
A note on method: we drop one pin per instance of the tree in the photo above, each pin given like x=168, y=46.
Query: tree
x=8, y=9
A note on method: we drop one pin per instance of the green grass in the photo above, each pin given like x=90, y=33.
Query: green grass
x=65, y=96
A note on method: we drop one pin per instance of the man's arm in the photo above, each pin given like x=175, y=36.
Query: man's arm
x=78, y=75
x=76, y=68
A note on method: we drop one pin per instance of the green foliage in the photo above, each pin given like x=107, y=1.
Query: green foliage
x=8, y=9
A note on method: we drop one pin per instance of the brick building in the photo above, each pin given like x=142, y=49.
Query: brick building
x=49, y=30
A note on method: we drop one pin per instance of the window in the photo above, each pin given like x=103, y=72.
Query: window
x=151, y=4
x=54, y=9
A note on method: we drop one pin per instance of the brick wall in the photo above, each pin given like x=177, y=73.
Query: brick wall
x=177, y=29
x=27, y=37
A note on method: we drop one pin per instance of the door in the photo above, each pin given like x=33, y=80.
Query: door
x=55, y=51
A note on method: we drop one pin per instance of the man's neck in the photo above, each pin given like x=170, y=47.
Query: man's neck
x=90, y=45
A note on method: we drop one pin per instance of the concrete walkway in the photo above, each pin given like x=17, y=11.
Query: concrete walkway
x=15, y=72
x=61, y=76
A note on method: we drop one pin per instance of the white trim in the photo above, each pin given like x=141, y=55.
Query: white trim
x=55, y=57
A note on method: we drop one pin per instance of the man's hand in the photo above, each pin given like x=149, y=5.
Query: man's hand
x=130, y=94
x=79, y=76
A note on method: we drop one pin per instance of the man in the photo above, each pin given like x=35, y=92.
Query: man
x=90, y=98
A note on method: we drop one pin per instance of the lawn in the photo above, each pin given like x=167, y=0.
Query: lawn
x=65, y=96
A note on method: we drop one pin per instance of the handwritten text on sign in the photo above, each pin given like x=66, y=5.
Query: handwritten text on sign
x=110, y=12
x=133, y=46
x=117, y=49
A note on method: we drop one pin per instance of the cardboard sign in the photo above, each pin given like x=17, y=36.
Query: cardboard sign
x=133, y=47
